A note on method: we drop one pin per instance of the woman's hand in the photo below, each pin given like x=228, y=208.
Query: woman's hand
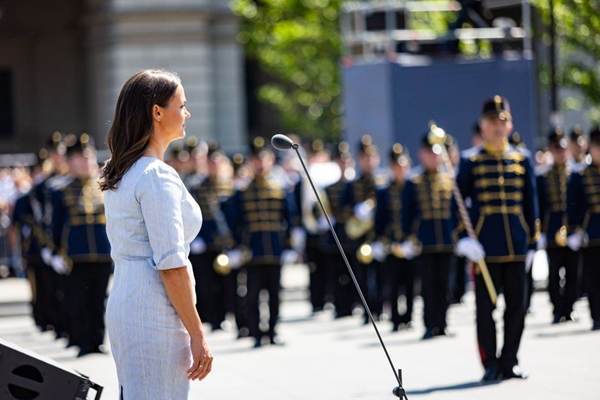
x=202, y=358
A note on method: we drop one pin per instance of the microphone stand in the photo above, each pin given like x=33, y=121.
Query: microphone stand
x=282, y=142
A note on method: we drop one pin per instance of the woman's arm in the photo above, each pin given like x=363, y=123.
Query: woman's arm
x=178, y=285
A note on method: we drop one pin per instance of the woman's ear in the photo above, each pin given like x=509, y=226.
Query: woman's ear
x=156, y=113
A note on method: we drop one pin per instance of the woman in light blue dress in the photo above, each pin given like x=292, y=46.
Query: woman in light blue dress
x=156, y=335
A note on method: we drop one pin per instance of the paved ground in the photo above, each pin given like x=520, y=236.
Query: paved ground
x=341, y=359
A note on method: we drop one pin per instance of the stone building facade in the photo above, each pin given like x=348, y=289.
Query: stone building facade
x=63, y=62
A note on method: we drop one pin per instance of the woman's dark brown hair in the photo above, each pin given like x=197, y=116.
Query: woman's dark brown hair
x=130, y=132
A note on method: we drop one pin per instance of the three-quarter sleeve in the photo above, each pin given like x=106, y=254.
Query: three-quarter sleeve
x=160, y=193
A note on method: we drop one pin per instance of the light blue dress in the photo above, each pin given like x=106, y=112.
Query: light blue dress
x=150, y=220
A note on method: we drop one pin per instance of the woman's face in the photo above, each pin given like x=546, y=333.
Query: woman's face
x=170, y=120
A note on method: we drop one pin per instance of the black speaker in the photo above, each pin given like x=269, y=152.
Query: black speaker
x=27, y=376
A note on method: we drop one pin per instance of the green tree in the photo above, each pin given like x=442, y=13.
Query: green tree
x=578, y=34
x=297, y=42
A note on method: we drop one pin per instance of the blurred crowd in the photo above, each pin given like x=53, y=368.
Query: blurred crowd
x=260, y=213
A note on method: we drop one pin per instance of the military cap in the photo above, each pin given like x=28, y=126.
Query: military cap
x=399, y=155
x=515, y=139
x=55, y=143
x=175, y=149
x=435, y=135
x=317, y=146
x=259, y=146
x=576, y=133
x=497, y=107
x=190, y=144
x=42, y=155
x=237, y=160
x=214, y=149
x=341, y=151
x=366, y=145
x=557, y=138
x=595, y=135
x=78, y=144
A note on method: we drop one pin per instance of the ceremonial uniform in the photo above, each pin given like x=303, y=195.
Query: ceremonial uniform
x=552, y=197
x=80, y=240
x=369, y=275
x=584, y=220
x=343, y=289
x=399, y=270
x=27, y=220
x=261, y=218
x=213, y=239
x=428, y=214
x=500, y=184
x=320, y=272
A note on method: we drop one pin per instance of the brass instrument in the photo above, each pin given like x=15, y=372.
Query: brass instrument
x=355, y=227
x=364, y=254
x=221, y=265
x=561, y=236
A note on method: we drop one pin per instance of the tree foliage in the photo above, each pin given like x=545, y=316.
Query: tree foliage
x=297, y=42
x=578, y=33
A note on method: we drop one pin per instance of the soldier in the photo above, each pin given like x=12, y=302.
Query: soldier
x=238, y=289
x=584, y=223
x=81, y=247
x=552, y=197
x=428, y=213
x=343, y=290
x=27, y=223
x=499, y=182
x=359, y=202
x=399, y=267
x=53, y=290
x=261, y=219
x=213, y=239
x=315, y=225
x=578, y=149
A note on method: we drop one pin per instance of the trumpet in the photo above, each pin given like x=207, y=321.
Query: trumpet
x=364, y=253
x=224, y=263
x=356, y=227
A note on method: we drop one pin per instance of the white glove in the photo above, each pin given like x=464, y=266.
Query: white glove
x=529, y=260
x=298, y=239
x=364, y=211
x=470, y=248
x=46, y=255
x=198, y=246
x=289, y=257
x=322, y=224
x=409, y=249
x=379, y=252
x=59, y=265
x=575, y=240
x=541, y=244
x=236, y=258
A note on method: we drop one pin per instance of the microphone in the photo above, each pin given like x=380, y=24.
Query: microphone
x=283, y=142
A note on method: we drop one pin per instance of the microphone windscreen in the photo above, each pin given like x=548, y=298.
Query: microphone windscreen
x=281, y=142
